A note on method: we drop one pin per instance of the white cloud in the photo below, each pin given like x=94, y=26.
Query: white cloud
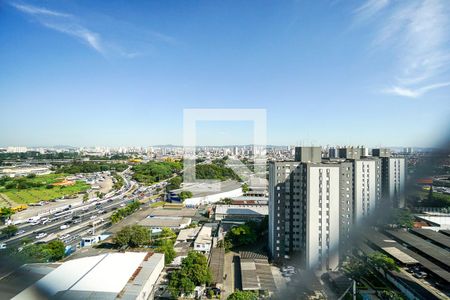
x=414, y=93
x=370, y=8
x=73, y=26
x=33, y=10
x=418, y=34
x=92, y=39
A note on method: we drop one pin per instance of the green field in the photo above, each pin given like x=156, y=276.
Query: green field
x=31, y=190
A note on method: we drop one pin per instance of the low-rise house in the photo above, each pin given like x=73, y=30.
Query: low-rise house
x=203, y=241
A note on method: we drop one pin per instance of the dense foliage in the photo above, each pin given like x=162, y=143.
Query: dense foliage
x=214, y=171
x=243, y=295
x=153, y=171
x=119, y=182
x=245, y=234
x=5, y=213
x=48, y=252
x=124, y=212
x=358, y=268
x=174, y=183
x=32, y=188
x=194, y=272
x=132, y=236
x=185, y=195
x=245, y=188
x=164, y=244
x=38, y=155
x=91, y=167
x=9, y=230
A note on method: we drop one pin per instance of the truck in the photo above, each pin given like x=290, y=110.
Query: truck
x=20, y=207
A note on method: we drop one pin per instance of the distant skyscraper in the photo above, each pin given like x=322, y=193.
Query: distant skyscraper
x=308, y=154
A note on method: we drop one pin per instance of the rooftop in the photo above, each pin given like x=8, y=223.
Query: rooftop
x=204, y=236
x=262, y=210
x=188, y=234
x=159, y=222
x=101, y=277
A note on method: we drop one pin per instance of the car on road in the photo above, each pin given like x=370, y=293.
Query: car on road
x=41, y=235
x=63, y=237
x=77, y=221
x=65, y=226
x=2, y=246
x=93, y=217
x=20, y=232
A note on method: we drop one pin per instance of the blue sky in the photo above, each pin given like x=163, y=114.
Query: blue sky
x=328, y=72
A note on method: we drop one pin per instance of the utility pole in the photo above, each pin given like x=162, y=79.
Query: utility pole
x=354, y=289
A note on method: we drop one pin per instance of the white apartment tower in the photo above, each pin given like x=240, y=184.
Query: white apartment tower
x=367, y=188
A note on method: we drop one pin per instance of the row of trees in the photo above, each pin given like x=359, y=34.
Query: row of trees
x=154, y=171
x=124, y=212
x=358, y=268
x=119, y=181
x=194, y=272
x=91, y=167
x=20, y=183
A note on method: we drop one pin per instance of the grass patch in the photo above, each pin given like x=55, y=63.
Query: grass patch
x=38, y=190
x=157, y=204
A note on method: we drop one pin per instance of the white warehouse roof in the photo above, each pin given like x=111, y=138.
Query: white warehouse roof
x=101, y=277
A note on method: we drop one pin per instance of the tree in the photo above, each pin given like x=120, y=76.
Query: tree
x=132, y=236
x=242, y=235
x=166, y=247
x=185, y=195
x=379, y=260
x=10, y=230
x=85, y=197
x=57, y=249
x=245, y=188
x=52, y=251
x=122, y=238
x=140, y=235
x=243, y=295
x=174, y=183
x=194, y=272
x=5, y=213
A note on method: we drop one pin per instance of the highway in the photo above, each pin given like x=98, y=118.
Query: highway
x=79, y=218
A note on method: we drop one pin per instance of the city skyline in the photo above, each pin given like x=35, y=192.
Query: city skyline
x=337, y=72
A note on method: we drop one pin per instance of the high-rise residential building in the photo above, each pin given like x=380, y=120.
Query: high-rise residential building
x=381, y=152
x=304, y=211
x=308, y=154
x=367, y=188
x=393, y=178
x=315, y=203
x=350, y=152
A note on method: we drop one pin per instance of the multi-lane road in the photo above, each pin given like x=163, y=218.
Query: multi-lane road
x=70, y=221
